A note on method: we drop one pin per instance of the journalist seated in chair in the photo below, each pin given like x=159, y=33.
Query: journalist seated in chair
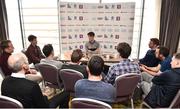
x=93, y=87
x=49, y=53
x=33, y=52
x=165, y=86
x=28, y=92
x=150, y=59
x=162, y=53
x=18, y=87
x=124, y=66
x=75, y=63
x=8, y=48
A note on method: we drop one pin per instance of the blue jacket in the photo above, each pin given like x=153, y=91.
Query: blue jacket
x=150, y=59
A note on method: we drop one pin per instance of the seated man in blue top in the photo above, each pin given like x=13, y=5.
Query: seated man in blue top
x=162, y=53
x=165, y=86
x=150, y=59
x=93, y=87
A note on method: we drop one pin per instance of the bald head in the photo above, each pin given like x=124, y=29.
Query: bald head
x=175, y=63
x=17, y=62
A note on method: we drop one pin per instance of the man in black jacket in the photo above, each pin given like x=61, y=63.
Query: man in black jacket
x=150, y=59
x=18, y=87
x=165, y=86
x=26, y=91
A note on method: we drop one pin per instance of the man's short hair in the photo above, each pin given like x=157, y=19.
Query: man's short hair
x=155, y=41
x=124, y=49
x=177, y=56
x=76, y=55
x=31, y=37
x=96, y=65
x=47, y=49
x=15, y=61
x=91, y=34
x=4, y=44
x=164, y=51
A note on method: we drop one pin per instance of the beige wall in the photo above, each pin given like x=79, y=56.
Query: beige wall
x=151, y=24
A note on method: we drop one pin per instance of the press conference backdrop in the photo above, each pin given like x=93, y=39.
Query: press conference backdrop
x=111, y=23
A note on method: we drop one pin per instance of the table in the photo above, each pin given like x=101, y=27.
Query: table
x=108, y=58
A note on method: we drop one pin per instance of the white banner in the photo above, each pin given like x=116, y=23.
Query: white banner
x=111, y=23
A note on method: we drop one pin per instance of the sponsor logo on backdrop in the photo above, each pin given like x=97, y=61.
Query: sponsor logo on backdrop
x=80, y=6
x=118, y=6
x=80, y=36
x=116, y=36
x=105, y=36
x=68, y=6
x=81, y=46
x=62, y=6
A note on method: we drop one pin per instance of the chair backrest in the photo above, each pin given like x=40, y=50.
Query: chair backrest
x=2, y=73
x=176, y=101
x=125, y=84
x=89, y=103
x=7, y=102
x=69, y=78
x=49, y=74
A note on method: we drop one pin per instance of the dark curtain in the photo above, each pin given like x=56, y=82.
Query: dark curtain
x=170, y=24
x=3, y=21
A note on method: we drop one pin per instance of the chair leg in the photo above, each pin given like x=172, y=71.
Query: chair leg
x=145, y=105
x=54, y=90
x=132, y=104
x=44, y=84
